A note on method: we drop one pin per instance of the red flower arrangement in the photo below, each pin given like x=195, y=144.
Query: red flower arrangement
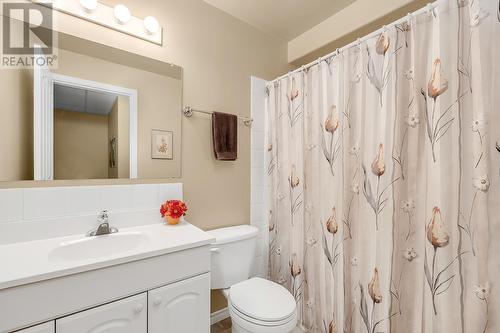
x=173, y=210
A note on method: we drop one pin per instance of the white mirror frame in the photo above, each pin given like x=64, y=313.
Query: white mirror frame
x=44, y=118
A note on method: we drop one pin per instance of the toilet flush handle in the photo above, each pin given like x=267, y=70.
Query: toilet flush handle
x=214, y=250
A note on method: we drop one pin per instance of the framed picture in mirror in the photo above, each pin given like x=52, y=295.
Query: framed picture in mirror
x=161, y=144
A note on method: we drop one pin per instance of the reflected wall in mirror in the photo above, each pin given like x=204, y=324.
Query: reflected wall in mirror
x=91, y=134
x=81, y=98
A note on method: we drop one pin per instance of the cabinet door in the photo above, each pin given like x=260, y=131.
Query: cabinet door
x=180, y=307
x=125, y=316
x=42, y=328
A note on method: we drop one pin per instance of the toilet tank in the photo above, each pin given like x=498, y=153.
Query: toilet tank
x=232, y=255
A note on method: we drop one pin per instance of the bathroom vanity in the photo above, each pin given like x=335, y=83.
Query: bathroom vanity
x=150, y=278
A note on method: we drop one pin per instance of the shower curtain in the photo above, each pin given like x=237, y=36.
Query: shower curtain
x=383, y=178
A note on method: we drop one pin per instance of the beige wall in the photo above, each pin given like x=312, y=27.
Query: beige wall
x=355, y=21
x=219, y=54
x=118, y=128
x=122, y=107
x=113, y=133
x=80, y=145
x=16, y=124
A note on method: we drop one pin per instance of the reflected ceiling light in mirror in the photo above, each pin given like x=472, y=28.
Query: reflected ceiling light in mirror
x=151, y=25
x=122, y=14
x=88, y=5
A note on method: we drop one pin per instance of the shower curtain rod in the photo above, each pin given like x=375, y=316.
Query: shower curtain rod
x=429, y=9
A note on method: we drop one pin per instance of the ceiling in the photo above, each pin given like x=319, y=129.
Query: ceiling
x=81, y=100
x=282, y=18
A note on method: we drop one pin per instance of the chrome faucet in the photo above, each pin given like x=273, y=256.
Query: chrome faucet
x=103, y=228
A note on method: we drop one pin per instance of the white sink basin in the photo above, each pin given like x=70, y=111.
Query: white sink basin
x=34, y=261
x=98, y=246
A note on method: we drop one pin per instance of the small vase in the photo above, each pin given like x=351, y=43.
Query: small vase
x=171, y=220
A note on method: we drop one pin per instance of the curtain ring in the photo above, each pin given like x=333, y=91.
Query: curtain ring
x=409, y=19
x=430, y=9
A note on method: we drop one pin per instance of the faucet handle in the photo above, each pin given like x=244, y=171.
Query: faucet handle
x=103, y=216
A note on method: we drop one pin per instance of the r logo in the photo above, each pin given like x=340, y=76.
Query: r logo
x=26, y=25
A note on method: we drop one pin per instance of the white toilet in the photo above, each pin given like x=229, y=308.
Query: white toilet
x=255, y=305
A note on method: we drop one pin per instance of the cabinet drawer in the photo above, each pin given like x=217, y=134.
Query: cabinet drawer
x=42, y=328
x=180, y=307
x=127, y=315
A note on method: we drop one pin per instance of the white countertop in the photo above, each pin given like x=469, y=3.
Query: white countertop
x=29, y=262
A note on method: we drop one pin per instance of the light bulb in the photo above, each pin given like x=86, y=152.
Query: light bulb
x=122, y=14
x=151, y=25
x=89, y=5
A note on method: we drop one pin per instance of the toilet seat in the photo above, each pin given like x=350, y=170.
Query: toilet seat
x=262, y=302
x=235, y=312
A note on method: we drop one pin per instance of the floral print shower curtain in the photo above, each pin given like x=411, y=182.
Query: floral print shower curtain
x=383, y=181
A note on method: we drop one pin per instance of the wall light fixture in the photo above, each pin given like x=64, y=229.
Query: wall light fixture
x=122, y=14
x=118, y=18
x=151, y=25
x=89, y=5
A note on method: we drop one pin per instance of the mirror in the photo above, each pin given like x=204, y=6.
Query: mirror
x=102, y=113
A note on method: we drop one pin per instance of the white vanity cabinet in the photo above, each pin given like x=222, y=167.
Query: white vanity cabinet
x=127, y=315
x=42, y=328
x=110, y=294
x=180, y=307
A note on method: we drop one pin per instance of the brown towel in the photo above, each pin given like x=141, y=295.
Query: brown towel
x=225, y=136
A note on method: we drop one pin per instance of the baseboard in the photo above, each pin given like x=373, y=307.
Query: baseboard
x=219, y=316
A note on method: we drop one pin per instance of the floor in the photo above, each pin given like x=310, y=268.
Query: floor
x=221, y=327
x=225, y=327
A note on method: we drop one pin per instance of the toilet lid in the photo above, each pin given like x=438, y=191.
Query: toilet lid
x=262, y=299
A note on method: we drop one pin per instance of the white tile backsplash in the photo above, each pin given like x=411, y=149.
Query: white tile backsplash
x=170, y=192
x=257, y=212
x=83, y=200
x=257, y=158
x=258, y=217
x=257, y=194
x=258, y=122
x=117, y=198
x=44, y=202
x=37, y=213
x=11, y=205
x=260, y=247
x=146, y=196
x=257, y=178
x=262, y=226
x=257, y=140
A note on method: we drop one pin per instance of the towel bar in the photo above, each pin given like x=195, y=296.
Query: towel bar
x=188, y=112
